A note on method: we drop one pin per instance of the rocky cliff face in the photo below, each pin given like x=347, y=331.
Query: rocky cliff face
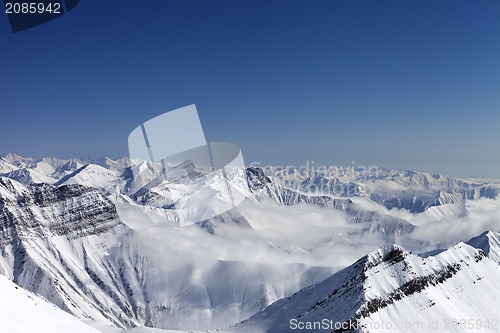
x=69, y=245
x=73, y=211
x=49, y=238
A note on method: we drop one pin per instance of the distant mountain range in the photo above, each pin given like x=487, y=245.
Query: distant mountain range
x=84, y=236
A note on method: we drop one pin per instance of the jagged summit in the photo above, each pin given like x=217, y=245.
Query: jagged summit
x=385, y=283
x=489, y=242
x=12, y=158
x=256, y=178
x=387, y=254
x=92, y=175
x=6, y=167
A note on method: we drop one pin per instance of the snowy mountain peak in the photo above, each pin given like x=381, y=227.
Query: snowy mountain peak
x=12, y=158
x=489, y=243
x=70, y=166
x=388, y=254
x=6, y=167
x=91, y=175
x=29, y=176
x=381, y=282
x=186, y=164
x=256, y=178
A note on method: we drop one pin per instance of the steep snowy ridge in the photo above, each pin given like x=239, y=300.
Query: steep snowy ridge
x=28, y=176
x=381, y=283
x=66, y=169
x=489, y=243
x=16, y=160
x=6, y=167
x=91, y=175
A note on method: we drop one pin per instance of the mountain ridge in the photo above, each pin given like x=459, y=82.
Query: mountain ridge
x=97, y=248
x=347, y=298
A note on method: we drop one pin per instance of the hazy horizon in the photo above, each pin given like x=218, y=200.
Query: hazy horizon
x=308, y=163
x=410, y=85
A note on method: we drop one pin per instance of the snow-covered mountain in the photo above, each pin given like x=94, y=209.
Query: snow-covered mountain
x=91, y=175
x=6, y=167
x=23, y=311
x=410, y=190
x=69, y=245
x=92, y=238
x=489, y=243
x=394, y=189
x=407, y=292
x=29, y=176
x=50, y=239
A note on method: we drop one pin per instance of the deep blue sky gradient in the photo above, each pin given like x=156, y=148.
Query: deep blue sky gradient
x=400, y=84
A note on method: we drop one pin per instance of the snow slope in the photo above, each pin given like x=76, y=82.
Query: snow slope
x=28, y=176
x=91, y=175
x=393, y=286
x=22, y=311
x=489, y=243
x=6, y=167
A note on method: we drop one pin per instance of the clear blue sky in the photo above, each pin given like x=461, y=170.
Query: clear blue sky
x=401, y=84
